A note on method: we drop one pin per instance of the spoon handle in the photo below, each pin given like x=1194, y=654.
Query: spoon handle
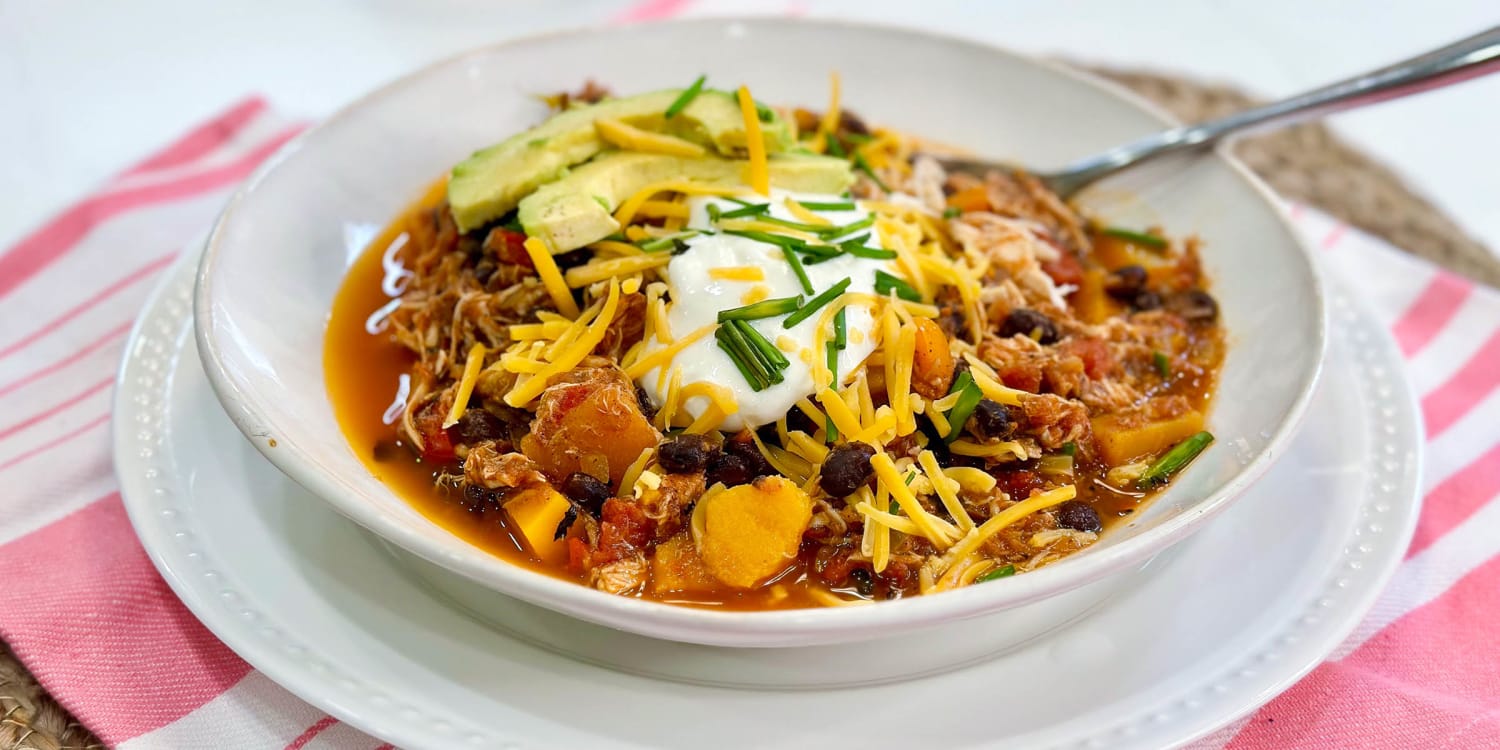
x=1467, y=58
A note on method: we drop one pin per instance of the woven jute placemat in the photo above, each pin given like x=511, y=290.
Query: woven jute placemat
x=1305, y=163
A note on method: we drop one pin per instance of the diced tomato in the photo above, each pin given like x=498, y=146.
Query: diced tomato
x=623, y=526
x=837, y=567
x=1025, y=376
x=1098, y=360
x=1067, y=269
x=578, y=555
x=508, y=247
x=1018, y=483
x=436, y=443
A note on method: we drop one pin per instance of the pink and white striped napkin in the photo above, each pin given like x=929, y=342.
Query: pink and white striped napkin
x=85, y=610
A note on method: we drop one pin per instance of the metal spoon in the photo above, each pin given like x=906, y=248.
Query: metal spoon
x=1467, y=58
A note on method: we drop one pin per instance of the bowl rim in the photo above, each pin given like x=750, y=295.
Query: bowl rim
x=701, y=625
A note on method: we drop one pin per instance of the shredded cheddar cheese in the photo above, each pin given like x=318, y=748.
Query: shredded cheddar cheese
x=758, y=172
x=546, y=269
x=472, y=367
x=631, y=138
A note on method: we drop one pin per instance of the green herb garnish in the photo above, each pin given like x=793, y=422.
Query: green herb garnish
x=832, y=352
x=796, y=264
x=816, y=206
x=1138, y=238
x=813, y=304
x=864, y=166
x=1004, y=571
x=797, y=225
x=969, y=397
x=769, y=355
x=840, y=328
x=670, y=242
x=886, y=283
x=749, y=209
x=686, y=97
x=602, y=202
x=1163, y=364
x=834, y=147
x=851, y=228
x=952, y=212
x=858, y=250
x=764, y=113
x=743, y=357
x=1070, y=448
x=763, y=309
x=1174, y=460
x=714, y=213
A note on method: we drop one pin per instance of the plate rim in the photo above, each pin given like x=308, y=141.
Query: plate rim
x=777, y=627
x=137, y=492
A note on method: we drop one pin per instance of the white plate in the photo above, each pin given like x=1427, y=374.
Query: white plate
x=1238, y=614
x=289, y=233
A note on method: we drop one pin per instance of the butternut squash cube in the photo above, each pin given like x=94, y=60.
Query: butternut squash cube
x=1122, y=442
x=753, y=531
x=534, y=514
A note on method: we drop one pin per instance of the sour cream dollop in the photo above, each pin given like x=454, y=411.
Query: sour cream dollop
x=697, y=296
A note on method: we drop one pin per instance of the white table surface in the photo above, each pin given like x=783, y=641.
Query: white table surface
x=88, y=87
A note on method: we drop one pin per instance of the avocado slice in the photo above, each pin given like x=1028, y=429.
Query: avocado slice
x=577, y=209
x=490, y=183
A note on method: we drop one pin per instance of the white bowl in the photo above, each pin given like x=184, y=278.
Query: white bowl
x=279, y=251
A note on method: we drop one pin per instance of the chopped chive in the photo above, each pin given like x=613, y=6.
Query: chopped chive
x=1004, y=571
x=816, y=206
x=840, y=328
x=686, y=97
x=857, y=240
x=762, y=309
x=834, y=147
x=1163, y=365
x=864, y=166
x=833, y=368
x=669, y=242
x=796, y=264
x=860, y=251
x=886, y=283
x=779, y=240
x=968, y=399
x=1139, y=238
x=739, y=354
x=828, y=232
x=797, y=225
x=860, y=137
x=749, y=209
x=1069, y=448
x=714, y=213
x=819, y=251
x=910, y=477
x=764, y=113
x=952, y=212
x=767, y=351
x=1174, y=460
x=806, y=311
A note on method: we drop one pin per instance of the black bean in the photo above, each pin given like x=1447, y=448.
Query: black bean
x=1076, y=514
x=991, y=421
x=643, y=399
x=797, y=420
x=1195, y=306
x=685, y=454
x=573, y=258
x=1147, y=300
x=1126, y=282
x=730, y=470
x=864, y=583
x=851, y=123
x=846, y=469
x=755, y=463
x=479, y=500
x=478, y=425
x=586, y=492
x=1028, y=322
